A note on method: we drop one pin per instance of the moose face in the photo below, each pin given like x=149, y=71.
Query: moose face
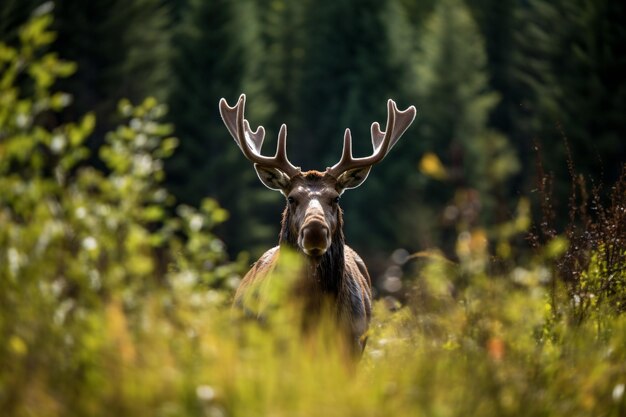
x=312, y=215
x=313, y=212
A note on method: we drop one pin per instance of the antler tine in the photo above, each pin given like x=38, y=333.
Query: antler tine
x=251, y=142
x=382, y=142
x=346, y=153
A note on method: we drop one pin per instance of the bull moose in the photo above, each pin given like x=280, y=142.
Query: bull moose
x=312, y=222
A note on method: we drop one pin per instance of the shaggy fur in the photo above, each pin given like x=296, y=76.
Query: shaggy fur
x=337, y=279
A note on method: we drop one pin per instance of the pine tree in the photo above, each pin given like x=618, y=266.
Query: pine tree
x=214, y=56
x=282, y=34
x=348, y=74
x=570, y=63
x=496, y=21
x=453, y=87
x=208, y=64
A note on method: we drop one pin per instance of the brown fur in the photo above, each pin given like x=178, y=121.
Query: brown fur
x=312, y=222
x=337, y=278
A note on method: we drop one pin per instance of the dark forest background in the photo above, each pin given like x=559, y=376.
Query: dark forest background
x=497, y=83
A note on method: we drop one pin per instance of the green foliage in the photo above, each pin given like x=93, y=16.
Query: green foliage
x=80, y=248
x=13, y=13
x=114, y=301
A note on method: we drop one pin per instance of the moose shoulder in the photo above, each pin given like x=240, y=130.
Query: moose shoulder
x=312, y=221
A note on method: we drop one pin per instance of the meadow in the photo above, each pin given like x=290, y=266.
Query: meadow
x=114, y=300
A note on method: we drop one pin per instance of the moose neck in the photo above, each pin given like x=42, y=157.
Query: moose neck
x=326, y=271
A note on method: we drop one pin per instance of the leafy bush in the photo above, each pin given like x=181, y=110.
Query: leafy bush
x=112, y=305
x=83, y=252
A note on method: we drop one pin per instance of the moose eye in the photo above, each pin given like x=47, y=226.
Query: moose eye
x=336, y=200
x=291, y=200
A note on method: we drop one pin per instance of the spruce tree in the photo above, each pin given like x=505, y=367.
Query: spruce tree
x=347, y=76
x=282, y=34
x=213, y=56
x=496, y=21
x=453, y=87
x=570, y=64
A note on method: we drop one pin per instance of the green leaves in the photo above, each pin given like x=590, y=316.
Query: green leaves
x=48, y=69
x=22, y=138
x=79, y=246
x=35, y=33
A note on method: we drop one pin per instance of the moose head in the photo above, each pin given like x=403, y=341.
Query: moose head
x=312, y=196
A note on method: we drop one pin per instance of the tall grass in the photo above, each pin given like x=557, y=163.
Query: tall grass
x=111, y=305
x=496, y=348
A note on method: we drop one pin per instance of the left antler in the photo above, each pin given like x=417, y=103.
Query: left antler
x=397, y=123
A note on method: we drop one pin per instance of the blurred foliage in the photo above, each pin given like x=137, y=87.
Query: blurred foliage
x=453, y=80
x=591, y=255
x=112, y=305
x=121, y=47
x=123, y=51
x=489, y=78
x=80, y=248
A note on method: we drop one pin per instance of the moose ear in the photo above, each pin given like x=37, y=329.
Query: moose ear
x=273, y=178
x=352, y=178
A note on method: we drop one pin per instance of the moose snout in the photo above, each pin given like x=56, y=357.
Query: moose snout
x=314, y=238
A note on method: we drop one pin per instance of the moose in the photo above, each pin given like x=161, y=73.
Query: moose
x=312, y=222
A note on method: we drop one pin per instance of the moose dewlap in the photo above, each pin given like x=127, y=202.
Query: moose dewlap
x=312, y=224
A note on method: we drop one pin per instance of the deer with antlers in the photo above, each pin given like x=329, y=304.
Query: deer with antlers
x=312, y=222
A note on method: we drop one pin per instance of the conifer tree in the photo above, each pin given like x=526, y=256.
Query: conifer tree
x=208, y=64
x=282, y=34
x=348, y=74
x=496, y=21
x=452, y=84
x=570, y=63
x=213, y=54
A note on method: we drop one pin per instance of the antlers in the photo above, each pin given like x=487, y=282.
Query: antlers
x=397, y=123
x=250, y=142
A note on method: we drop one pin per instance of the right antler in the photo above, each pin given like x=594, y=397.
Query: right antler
x=250, y=142
x=397, y=123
